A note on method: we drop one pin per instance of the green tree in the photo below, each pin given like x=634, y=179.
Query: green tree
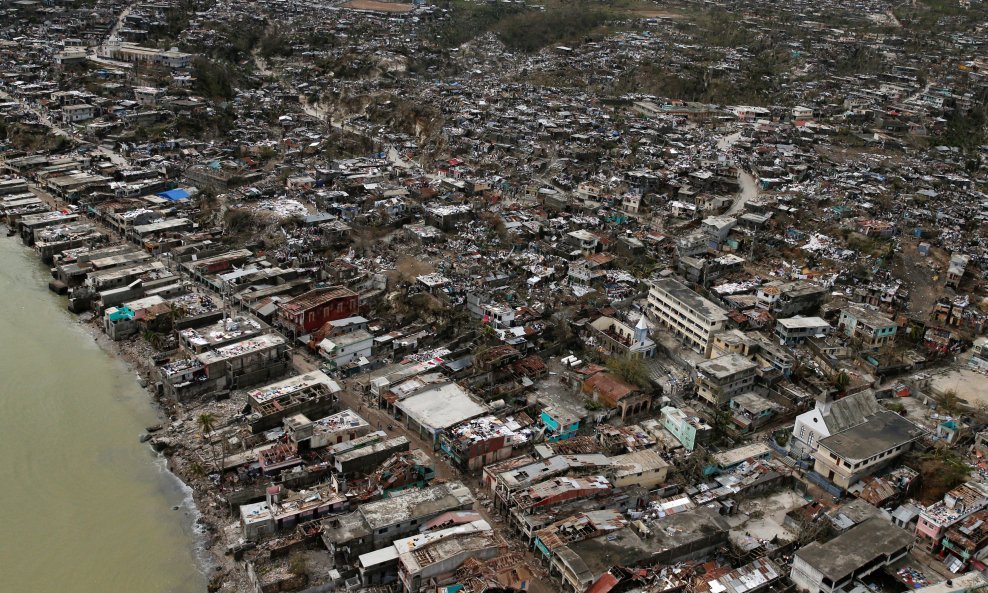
x=841, y=380
x=206, y=422
x=630, y=370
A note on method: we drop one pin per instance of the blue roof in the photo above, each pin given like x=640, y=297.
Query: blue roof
x=174, y=194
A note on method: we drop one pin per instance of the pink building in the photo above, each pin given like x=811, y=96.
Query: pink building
x=956, y=505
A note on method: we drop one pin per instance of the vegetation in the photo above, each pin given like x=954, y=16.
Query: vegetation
x=941, y=469
x=215, y=79
x=206, y=422
x=950, y=402
x=33, y=137
x=966, y=130
x=531, y=31
x=841, y=380
x=521, y=29
x=296, y=565
x=630, y=370
x=896, y=407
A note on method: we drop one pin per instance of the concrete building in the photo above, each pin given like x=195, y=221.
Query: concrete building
x=644, y=468
x=548, y=494
x=342, y=349
x=513, y=475
x=437, y=408
x=313, y=394
x=795, y=330
x=219, y=334
x=377, y=524
x=478, y=442
x=957, y=505
x=618, y=396
x=873, y=329
x=123, y=51
x=365, y=459
x=381, y=567
x=75, y=113
x=341, y=427
x=688, y=430
x=233, y=366
x=956, y=269
x=434, y=562
x=785, y=299
x=278, y=512
x=720, y=379
x=829, y=417
x=311, y=310
x=688, y=535
x=570, y=547
x=848, y=456
x=834, y=566
x=616, y=338
x=691, y=318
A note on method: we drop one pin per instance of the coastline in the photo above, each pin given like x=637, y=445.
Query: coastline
x=204, y=507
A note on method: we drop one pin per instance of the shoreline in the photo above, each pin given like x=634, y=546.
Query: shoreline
x=218, y=569
x=206, y=509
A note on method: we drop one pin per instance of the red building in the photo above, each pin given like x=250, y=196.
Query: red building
x=309, y=311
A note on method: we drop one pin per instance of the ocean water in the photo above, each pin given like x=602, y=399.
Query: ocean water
x=87, y=507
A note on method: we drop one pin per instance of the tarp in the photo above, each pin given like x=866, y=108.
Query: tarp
x=174, y=195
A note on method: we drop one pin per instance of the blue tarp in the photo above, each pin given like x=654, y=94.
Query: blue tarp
x=174, y=195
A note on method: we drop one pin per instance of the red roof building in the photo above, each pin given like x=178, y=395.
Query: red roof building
x=309, y=311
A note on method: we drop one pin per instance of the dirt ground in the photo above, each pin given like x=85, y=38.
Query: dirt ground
x=769, y=513
x=918, y=272
x=971, y=386
x=378, y=6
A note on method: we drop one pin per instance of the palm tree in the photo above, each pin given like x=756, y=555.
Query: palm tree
x=207, y=424
x=153, y=338
x=841, y=380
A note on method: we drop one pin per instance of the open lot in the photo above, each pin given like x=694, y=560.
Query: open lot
x=379, y=6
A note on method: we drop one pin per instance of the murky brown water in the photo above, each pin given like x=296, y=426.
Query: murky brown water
x=87, y=508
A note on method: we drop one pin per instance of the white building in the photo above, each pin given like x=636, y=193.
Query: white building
x=829, y=418
x=836, y=565
x=798, y=329
x=79, y=112
x=342, y=349
x=693, y=319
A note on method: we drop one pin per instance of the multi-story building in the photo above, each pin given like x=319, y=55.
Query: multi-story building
x=795, y=330
x=80, y=112
x=616, y=338
x=313, y=395
x=784, y=299
x=377, y=524
x=512, y=475
x=131, y=52
x=691, y=318
x=721, y=378
x=829, y=417
x=956, y=506
x=956, y=269
x=846, y=457
x=233, y=366
x=688, y=430
x=478, y=442
x=873, y=329
x=309, y=311
x=965, y=539
x=856, y=553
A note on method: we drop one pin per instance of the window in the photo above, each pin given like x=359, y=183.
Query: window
x=382, y=530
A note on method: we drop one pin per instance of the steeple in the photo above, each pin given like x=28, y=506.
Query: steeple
x=641, y=330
